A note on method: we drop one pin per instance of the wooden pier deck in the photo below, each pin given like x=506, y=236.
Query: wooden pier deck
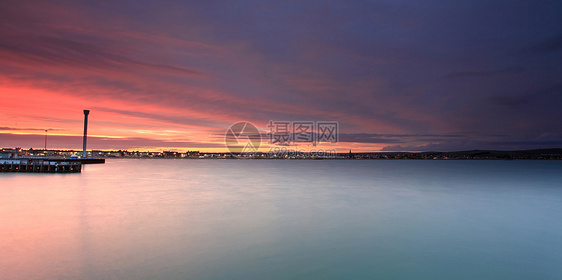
x=40, y=165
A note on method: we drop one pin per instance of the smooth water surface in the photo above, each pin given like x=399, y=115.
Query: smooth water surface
x=275, y=219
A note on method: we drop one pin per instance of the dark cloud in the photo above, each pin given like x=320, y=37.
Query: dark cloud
x=476, y=144
x=49, y=50
x=394, y=138
x=549, y=45
x=483, y=74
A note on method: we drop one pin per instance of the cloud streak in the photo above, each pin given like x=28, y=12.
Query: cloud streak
x=99, y=143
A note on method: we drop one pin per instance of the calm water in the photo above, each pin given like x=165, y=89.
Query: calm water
x=265, y=219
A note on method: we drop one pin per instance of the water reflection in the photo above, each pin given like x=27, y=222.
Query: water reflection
x=236, y=219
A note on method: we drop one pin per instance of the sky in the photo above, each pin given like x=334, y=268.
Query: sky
x=174, y=75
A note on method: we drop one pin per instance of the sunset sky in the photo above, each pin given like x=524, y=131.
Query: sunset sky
x=174, y=75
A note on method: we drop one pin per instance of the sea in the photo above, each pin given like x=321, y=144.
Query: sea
x=284, y=219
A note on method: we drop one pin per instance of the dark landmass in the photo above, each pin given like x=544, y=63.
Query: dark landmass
x=544, y=154
x=539, y=154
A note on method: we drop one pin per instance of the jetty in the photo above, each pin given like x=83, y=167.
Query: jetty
x=11, y=160
x=40, y=165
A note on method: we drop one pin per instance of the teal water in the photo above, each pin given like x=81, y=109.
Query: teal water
x=274, y=219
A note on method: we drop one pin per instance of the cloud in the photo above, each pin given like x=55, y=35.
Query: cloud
x=30, y=129
x=472, y=144
x=484, y=74
x=395, y=138
x=97, y=143
x=64, y=52
x=196, y=122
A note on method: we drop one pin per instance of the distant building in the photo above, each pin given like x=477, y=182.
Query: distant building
x=170, y=154
x=8, y=153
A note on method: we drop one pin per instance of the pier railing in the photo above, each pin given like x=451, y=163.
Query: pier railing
x=39, y=165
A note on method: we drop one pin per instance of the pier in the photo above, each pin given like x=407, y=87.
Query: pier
x=40, y=165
